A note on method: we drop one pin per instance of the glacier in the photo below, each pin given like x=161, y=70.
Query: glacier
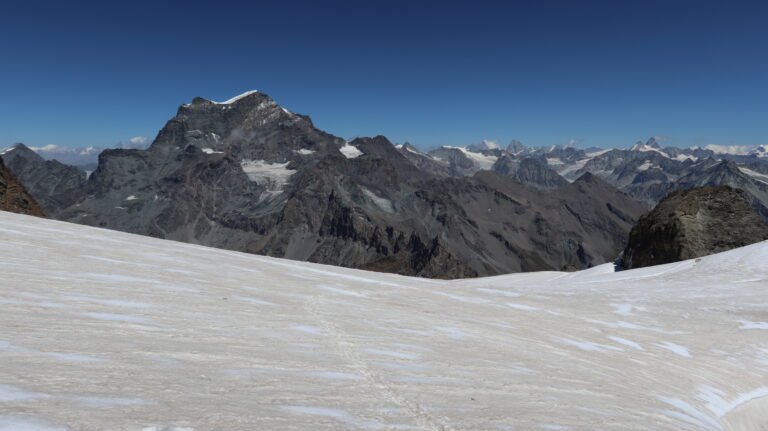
x=103, y=330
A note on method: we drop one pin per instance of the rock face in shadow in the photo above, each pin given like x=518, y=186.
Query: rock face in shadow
x=693, y=223
x=52, y=183
x=13, y=196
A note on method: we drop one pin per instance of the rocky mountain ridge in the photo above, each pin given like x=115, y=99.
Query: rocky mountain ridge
x=249, y=175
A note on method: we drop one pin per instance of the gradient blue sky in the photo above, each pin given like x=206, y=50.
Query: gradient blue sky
x=544, y=72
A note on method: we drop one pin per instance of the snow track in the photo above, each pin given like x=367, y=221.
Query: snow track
x=105, y=330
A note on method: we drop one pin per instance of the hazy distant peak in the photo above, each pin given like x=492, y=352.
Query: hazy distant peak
x=650, y=145
x=484, y=145
x=515, y=147
x=653, y=143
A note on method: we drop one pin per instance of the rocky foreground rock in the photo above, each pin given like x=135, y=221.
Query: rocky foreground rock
x=693, y=223
x=13, y=196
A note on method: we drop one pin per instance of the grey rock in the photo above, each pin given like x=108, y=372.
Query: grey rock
x=693, y=223
x=53, y=184
x=528, y=171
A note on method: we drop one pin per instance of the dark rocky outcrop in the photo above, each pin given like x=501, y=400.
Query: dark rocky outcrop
x=13, y=196
x=693, y=223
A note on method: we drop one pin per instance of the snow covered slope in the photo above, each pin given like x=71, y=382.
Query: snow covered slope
x=101, y=330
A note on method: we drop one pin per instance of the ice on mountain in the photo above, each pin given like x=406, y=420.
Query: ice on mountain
x=383, y=203
x=350, y=151
x=272, y=175
x=236, y=98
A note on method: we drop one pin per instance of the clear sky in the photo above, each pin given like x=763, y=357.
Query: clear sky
x=543, y=72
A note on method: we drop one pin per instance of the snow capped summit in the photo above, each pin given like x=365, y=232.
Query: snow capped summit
x=409, y=147
x=760, y=151
x=652, y=142
x=236, y=98
x=515, y=147
x=650, y=145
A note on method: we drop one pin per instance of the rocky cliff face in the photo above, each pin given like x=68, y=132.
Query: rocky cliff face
x=529, y=171
x=53, y=184
x=693, y=223
x=248, y=175
x=13, y=196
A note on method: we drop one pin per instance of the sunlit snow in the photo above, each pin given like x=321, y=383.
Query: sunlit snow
x=104, y=330
x=236, y=98
x=350, y=151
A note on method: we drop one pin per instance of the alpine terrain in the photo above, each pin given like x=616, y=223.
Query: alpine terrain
x=103, y=330
x=248, y=175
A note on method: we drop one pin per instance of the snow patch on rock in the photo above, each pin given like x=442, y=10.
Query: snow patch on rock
x=273, y=175
x=350, y=151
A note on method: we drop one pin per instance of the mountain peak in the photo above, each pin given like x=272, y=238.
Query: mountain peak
x=515, y=147
x=408, y=146
x=760, y=151
x=653, y=143
x=20, y=150
x=650, y=145
x=238, y=97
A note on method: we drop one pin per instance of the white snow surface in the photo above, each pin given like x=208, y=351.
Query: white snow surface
x=162, y=335
x=350, y=151
x=645, y=166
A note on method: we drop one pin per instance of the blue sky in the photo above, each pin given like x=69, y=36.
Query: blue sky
x=604, y=73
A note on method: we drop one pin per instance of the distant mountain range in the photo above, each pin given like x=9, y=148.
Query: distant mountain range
x=646, y=171
x=249, y=175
